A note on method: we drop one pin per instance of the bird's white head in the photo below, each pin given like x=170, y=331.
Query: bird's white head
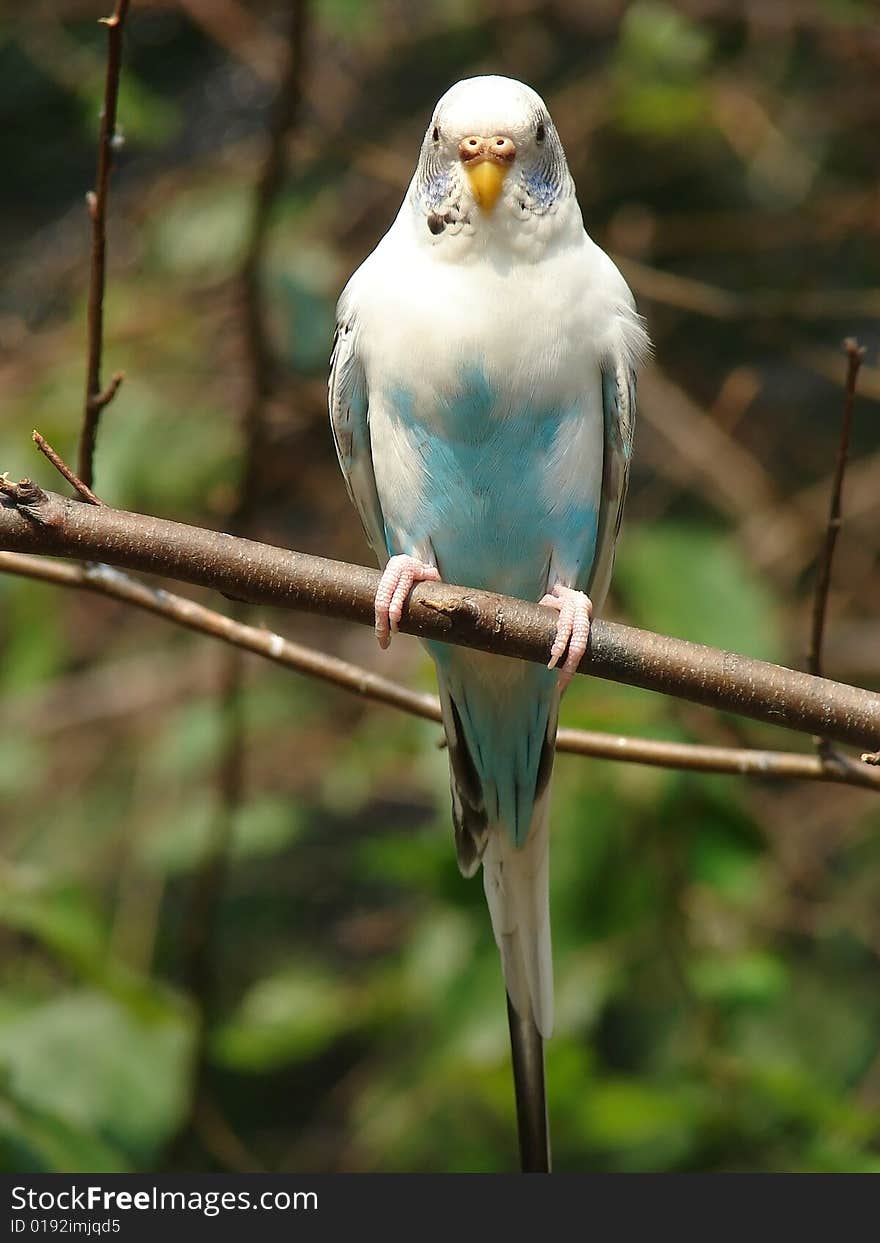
x=491, y=160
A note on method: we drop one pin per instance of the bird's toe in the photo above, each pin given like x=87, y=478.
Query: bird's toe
x=398, y=579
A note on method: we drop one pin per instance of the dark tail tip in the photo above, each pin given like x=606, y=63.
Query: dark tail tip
x=527, y=1050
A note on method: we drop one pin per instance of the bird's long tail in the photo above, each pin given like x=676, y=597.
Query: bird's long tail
x=516, y=881
x=527, y=1056
x=500, y=721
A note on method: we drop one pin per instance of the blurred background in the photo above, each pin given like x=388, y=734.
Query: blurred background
x=232, y=932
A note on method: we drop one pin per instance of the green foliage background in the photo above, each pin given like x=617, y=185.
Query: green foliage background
x=716, y=939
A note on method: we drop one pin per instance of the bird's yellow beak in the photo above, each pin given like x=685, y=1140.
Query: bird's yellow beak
x=486, y=162
x=486, y=179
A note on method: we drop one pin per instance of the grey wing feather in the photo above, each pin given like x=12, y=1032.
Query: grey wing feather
x=619, y=410
x=349, y=420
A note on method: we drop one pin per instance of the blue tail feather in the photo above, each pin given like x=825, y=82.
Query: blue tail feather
x=503, y=709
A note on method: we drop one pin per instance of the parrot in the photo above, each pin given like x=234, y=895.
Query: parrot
x=482, y=401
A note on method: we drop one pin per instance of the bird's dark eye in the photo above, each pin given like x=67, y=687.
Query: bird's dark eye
x=540, y=132
x=435, y=133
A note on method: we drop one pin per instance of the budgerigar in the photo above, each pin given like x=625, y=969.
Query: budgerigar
x=482, y=398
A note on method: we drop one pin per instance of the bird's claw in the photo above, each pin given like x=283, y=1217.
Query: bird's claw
x=575, y=611
x=398, y=579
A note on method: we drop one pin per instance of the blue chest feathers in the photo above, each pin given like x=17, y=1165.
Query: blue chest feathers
x=499, y=489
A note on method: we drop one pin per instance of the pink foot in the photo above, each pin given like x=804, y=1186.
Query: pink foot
x=398, y=579
x=572, y=630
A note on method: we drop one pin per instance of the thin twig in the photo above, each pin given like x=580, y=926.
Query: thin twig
x=659, y=753
x=828, y=754
x=241, y=33
x=854, y=355
x=209, y=881
x=97, y=397
x=258, y=354
x=702, y=298
x=64, y=470
x=200, y=924
x=35, y=521
x=221, y=1142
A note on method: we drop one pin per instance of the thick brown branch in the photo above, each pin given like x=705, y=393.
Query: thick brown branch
x=96, y=397
x=38, y=522
x=737, y=761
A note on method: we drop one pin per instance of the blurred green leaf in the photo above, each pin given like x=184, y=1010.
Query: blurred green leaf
x=65, y=920
x=659, y=39
x=190, y=829
x=21, y=761
x=662, y=109
x=33, y=650
x=284, y=1019
x=413, y=861
x=131, y=1080
x=263, y=826
x=437, y=953
x=202, y=229
x=59, y=915
x=752, y=978
x=184, y=835
x=728, y=863
x=190, y=742
x=349, y=17
x=198, y=451
x=661, y=59
x=37, y=1141
x=695, y=584
x=620, y=1112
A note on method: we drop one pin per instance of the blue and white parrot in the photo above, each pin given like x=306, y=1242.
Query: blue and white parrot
x=482, y=398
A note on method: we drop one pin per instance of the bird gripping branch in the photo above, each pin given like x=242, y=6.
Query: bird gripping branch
x=482, y=399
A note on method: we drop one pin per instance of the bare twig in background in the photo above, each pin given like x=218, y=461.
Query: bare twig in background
x=210, y=878
x=694, y=757
x=221, y=1141
x=129, y=692
x=701, y=298
x=854, y=354
x=659, y=753
x=96, y=397
x=704, y=455
x=64, y=470
x=258, y=354
x=260, y=378
x=35, y=521
x=200, y=923
x=240, y=32
x=826, y=363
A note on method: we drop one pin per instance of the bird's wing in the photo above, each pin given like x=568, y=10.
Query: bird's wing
x=619, y=412
x=349, y=420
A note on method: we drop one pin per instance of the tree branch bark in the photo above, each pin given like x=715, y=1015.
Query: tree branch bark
x=35, y=521
x=114, y=584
